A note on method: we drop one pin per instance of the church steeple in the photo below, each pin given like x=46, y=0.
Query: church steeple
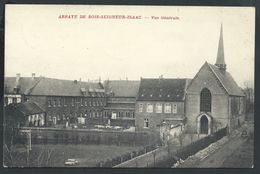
x=220, y=62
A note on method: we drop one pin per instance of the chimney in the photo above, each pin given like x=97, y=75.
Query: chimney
x=18, y=76
x=33, y=76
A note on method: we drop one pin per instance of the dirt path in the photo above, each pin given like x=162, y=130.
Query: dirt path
x=218, y=158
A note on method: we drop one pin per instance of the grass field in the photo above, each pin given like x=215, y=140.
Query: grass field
x=56, y=155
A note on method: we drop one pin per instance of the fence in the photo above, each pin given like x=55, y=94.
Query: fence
x=63, y=136
x=167, y=156
x=125, y=157
x=190, y=149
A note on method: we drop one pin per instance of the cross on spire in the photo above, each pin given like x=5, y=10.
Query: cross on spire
x=220, y=62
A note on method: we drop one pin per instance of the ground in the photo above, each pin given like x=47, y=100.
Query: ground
x=244, y=156
x=56, y=155
x=237, y=152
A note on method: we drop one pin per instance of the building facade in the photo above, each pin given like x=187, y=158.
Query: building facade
x=160, y=100
x=121, y=99
x=64, y=101
x=27, y=114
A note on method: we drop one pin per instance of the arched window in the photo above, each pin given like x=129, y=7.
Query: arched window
x=205, y=100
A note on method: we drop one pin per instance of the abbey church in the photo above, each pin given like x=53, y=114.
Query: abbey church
x=213, y=98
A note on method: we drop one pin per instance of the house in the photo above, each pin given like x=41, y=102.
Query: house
x=27, y=114
x=213, y=98
x=160, y=100
x=15, y=88
x=64, y=101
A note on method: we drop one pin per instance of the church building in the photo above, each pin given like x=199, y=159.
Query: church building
x=213, y=99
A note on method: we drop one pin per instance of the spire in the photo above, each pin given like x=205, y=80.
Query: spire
x=220, y=55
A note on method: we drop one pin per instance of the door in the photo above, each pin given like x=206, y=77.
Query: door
x=204, y=125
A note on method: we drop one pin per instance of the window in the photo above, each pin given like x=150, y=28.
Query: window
x=149, y=108
x=49, y=103
x=81, y=102
x=65, y=102
x=54, y=103
x=59, y=102
x=141, y=107
x=167, y=108
x=14, y=100
x=205, y=100
x=158, y=108
x=86, y=102
x=146, y=123
x=72, y=102
x=174, y=108
x=133, y=115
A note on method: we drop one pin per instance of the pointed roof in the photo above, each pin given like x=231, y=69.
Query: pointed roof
x=227, y=81
x=26, y=108
x=220, y=55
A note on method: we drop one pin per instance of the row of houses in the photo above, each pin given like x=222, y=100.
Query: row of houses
x=204, y=104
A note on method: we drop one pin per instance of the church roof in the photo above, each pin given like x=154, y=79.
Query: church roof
x=122, y=88
x=227, y=81
x=162, y=89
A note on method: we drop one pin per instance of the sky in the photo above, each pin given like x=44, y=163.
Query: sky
x=38, y=40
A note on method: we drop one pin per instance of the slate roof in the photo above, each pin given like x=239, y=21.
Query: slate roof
x=122, y=88
x=51, y=87
x=162, y=89
x=57, y=87
x=227, y=81
x=27, y=108
x=26, y=83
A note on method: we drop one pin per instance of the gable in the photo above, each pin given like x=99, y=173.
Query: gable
x=206, y=78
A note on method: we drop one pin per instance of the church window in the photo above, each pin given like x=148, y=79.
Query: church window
x=205, y=100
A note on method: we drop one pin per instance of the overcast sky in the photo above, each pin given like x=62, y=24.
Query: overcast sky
x=36, y=40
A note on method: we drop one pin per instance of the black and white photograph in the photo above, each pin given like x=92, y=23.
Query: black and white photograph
x=120, y=86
